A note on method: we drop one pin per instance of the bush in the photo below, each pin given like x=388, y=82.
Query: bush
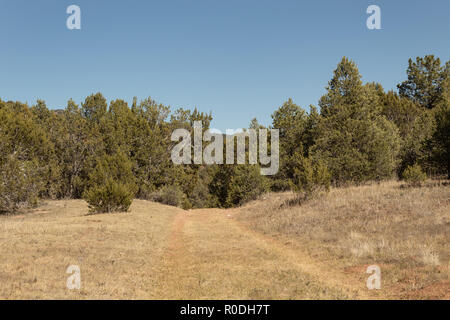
x=220, y=184
x=111, y=184
x=414, y=176
x=200, y=196
x=19, y=184
x=279, y=185
x=171, y=195
x=246, y=184
x=111, y=197
x=310, y=178
x=198, y=191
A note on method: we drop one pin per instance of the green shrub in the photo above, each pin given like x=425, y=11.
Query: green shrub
x=310, y=178
x=278, y=185
x=112, y=196
x=414, y=176
x=246, y=184
x=171, y=195
x=111, y=184
x=19, y=184
x=198, y=191
x=220, y=184
x=200, y=196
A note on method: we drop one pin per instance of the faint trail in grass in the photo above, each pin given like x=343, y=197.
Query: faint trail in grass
x=210, y=257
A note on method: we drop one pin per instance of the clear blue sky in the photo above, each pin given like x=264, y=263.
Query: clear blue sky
x=237, y=58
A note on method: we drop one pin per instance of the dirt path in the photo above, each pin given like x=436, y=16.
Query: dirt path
x=212, y=256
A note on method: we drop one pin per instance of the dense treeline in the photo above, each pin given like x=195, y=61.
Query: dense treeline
x=110, y=154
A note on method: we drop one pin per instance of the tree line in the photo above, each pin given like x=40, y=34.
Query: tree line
x=112, y=153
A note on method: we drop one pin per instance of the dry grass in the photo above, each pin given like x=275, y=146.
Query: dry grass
x=117, y=253
x=403, y=230
x=260, y=251
x=152, y=252
x=213, y=258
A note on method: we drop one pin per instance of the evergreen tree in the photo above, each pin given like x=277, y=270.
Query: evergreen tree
x=291, y=121
x=401, y=111
x=24, y=158
x=355, y=141
x=425, y=79
x=310, y=177
x=439, y=142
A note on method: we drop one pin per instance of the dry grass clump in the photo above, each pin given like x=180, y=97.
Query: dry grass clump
x=406, y=229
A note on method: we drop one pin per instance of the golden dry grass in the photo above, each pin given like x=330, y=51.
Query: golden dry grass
x=403, y=230
x=117, y=253
x=211, y=257
x=152, y=252
x=319, y=250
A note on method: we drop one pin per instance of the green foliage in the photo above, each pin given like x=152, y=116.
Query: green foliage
x=354, y=140
x=25, y=158
x=291, y=120
x=94, y=108
x=416, y=146
x=111, y=185
x=220, y=184
x=279, y=184
x=19, y=184
x=111, y=153
x=171, y=195
x=401, y=111
x=438, y=144
x=310, y=178
x=199, y=195
x=414, y=175
x=425, y=78
x=233, y=185
x=111, y=196
x=246, y=184
x=74, y=146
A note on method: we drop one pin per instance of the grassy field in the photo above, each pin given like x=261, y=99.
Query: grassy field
x=117, y=253
x=264, y=250
x=405, y=231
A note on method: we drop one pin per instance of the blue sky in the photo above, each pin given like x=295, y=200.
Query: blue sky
x=238, y=59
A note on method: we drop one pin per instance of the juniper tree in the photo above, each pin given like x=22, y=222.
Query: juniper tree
x=291, y=121
x=111, y=184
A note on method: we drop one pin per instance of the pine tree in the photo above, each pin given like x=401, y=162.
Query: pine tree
x=355, y=141
x=425, y=79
